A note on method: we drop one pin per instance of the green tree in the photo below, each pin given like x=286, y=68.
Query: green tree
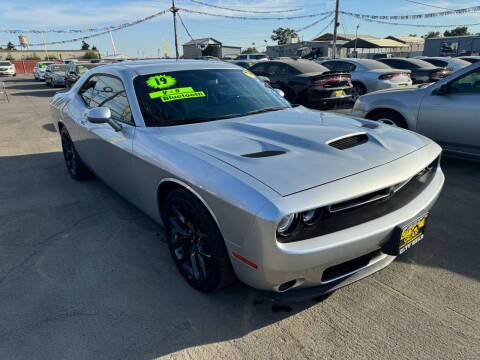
x=50, y=57
x=10, y=46
x=85, y=46
x=250, y=50
x=9, y=57
x=90, y=55
x=458, y=31
x=33, y=56
x=281, y=35
x=94, y=48
x=431, y=34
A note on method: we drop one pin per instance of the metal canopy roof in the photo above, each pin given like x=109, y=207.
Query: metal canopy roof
x=372, y=43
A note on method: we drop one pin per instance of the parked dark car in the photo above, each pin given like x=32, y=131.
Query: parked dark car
x=305, y=82
x=472, y=59
x=76, y=70
x=421, y=71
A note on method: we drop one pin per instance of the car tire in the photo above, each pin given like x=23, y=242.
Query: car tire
x=290, y=95
x=358, y=89
x=389, y=117
x=77, y=170
x=195, y=242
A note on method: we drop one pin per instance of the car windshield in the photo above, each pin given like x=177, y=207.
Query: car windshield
x=83, y=68
x=59, y=68
x=190, y=96
x=43, y=65
x=4, y=63
x=372, y=64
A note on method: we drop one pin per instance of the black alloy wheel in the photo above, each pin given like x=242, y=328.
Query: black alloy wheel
x=74, y=164
x=195, y=243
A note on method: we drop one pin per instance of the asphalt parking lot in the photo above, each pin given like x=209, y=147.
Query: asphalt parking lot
x=85, y=275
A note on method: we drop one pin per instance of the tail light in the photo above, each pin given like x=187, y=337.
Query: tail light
x=441, y=73
x=393, y=75
x=324, y=81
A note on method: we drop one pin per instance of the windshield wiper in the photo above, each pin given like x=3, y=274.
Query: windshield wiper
x=263, y=111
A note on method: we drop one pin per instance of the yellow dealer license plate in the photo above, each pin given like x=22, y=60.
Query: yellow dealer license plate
x=402, y=85
x=412, y=234
x=339, y=93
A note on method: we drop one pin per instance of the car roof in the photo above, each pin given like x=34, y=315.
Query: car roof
x=143, y=67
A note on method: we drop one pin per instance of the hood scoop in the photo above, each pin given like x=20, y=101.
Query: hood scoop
x=348, y=141
x=263, y=154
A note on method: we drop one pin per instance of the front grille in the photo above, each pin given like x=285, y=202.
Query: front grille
x=348, y=267
x=361, y=211
x=349, y=141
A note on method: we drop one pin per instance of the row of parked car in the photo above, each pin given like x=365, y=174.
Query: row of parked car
x=325, y=83
x=64, y=75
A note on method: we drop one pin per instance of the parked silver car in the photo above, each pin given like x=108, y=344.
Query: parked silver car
x=55, y=74
x=369, y=75
x=40, y=68
x=446, y=111
x=453, y=64
x=284, y=197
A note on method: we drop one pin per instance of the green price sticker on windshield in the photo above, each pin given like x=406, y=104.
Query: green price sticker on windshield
x=161, y=81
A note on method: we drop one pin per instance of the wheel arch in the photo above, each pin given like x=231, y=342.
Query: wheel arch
x=387, y=109
x=166, y=185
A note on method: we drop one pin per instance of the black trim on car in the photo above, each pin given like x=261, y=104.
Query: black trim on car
x=393, y=198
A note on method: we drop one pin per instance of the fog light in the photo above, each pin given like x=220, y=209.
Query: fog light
x=311, y=217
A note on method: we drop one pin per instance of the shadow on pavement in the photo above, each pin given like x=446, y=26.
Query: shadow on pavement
x=77, y=259
x=452, y=233
x=49, y=127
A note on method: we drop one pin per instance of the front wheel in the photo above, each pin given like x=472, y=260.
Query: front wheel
x=390, y=118
x=195, y=243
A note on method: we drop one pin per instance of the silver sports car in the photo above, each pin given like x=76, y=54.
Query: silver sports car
x=446, y=111
x=245, y=184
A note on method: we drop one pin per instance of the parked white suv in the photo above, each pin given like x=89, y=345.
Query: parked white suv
x=7, y=68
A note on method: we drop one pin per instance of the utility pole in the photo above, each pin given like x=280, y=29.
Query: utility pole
x=334, y=46
x=174, y=11
x=356, y=38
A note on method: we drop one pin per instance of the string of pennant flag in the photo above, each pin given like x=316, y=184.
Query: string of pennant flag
x=372, y=18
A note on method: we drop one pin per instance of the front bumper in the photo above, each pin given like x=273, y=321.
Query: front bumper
x=7, y=72
x=306, y=261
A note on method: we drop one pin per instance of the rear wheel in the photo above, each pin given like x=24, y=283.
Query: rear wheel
x=357, y=91
x=195, y=243
x=75, y=166
x=390, y=118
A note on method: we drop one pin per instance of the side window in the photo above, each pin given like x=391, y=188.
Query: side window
x=258, y=68
x=344, y=66
x=110, y=92
x=469, y=83
x=437, y=62
x=289, y=70
x=330, y=64
x=87, y=90
x=241, y=57
x=274, y=69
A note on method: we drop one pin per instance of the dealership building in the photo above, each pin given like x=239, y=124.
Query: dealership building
x=452, y=46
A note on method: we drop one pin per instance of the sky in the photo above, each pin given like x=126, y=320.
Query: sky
x=145, y=39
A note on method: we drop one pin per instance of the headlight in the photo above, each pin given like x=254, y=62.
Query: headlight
x=357, y=105
x=286, y=225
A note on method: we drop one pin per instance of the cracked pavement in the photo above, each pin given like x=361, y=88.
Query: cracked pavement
x=85, y=275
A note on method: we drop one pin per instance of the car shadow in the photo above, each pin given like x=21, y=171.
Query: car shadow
x=77, y=259
x=49, y=127
x=47, y=92
x=451, y=236
x=87, y=255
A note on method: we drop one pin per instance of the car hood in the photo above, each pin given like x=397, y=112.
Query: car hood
x=289, y=150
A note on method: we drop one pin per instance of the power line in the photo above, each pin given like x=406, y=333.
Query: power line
x=314, y=23
x=325, y=28
x=432, y=6
x=245, y=11
x=254, y=18
x=183, y=24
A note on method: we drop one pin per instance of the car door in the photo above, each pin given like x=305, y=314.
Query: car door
x=452, y=118
x=107, y=152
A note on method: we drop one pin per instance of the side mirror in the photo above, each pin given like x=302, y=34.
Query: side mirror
x=280, y=92
x=442, y=90
x=101, y=115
